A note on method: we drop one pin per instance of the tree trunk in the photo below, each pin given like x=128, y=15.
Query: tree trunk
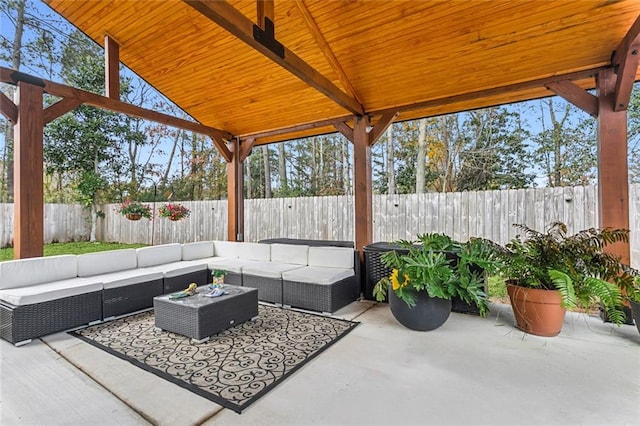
x=247, y=177
x=391, y=175
x=346, y=175
x=267, y=171
x=165, y=176
x=282, y=168
x=421, y=157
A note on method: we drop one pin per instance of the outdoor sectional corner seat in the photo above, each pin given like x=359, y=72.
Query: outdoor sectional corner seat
x=45, y=295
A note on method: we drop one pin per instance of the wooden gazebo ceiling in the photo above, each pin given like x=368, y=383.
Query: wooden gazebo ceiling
x=422, y=58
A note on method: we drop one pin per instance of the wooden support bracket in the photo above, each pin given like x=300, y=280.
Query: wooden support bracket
x=8, y=108
x=625, y=61
x=381, y=126
x=61, y=107
x=576, y=95
x=345, y=129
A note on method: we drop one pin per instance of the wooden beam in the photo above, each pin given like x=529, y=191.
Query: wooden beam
x=246, y=146
x=266, y=10
x=225, y=15
x=494, y=91
x=613, y=183
x=625, y=61
x=8, y=108
x=345, y=129
x=28, y=224
x=111, y=67
x=576, y=95
x=235, y=195
x=88, y=98
x=296, y=128
x=362, y=187
x=326, y=50
x=381, y=126
x=61, y=107
x=222, y=148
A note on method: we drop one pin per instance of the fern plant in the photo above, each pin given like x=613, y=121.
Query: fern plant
x=575, y=265
x=440, y=266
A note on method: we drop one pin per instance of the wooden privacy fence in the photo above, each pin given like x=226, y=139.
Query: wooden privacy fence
x=462, y=215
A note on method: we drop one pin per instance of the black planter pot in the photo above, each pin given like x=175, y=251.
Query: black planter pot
x=428, y=314
x=635, y=309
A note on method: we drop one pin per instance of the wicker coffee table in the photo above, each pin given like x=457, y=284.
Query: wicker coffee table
x=200, y=317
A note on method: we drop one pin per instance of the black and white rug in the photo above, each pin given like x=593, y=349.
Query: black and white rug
x=235, y=367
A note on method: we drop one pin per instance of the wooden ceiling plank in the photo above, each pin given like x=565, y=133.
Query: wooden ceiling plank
x=345, y=129
x=625, y=61
x=381, y=126
x=8, y=108
x=576, y=95
x=59, y=108
x=326, y=50
x=226, y=16
x=541, y=82
x=111, y=67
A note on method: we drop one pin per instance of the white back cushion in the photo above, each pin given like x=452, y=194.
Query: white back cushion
x=225, y=248
x=289, y=253
x=199, y=250
x=37, y=270
x=157, y=255
x=254, y=251
x=331, y=257
x=105, y=262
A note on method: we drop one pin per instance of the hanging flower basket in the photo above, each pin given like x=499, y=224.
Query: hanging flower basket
x=174, y=212
x=134, y=210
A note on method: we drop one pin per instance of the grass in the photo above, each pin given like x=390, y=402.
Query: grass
x=79, y=247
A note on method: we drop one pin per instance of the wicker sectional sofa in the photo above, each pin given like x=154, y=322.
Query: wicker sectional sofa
x=44, y=295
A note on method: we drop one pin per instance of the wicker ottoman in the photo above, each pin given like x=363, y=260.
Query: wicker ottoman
x=200, y=317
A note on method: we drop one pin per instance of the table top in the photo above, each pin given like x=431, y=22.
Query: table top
x=199, y=299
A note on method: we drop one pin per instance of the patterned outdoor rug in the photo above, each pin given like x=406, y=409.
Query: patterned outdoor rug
x=235, y=367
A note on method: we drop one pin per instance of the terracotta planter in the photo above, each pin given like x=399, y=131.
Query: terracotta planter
x=174, y=219
x=635, y=309
x=428, y=314
x=537, y=311
x=133, y=216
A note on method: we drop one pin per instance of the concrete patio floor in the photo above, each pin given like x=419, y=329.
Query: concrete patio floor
x=470, y=371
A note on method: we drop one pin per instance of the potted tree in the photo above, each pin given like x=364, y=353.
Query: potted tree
x=549, y=272
x=429, y=273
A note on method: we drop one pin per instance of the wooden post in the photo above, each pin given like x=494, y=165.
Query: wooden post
x=235, y=196
x=111, y=68
x=613, y=181
x=362, y=187
x=28, y=223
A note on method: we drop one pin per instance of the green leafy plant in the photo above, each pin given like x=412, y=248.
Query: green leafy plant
x=442, y=267
x=134, y=207
x=174, y=211
x=575, y=265
x=218, y=273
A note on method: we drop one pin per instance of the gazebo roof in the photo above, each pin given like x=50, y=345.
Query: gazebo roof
x=420, y=58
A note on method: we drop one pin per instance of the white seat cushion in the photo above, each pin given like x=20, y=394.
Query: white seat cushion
x=331, y=257
x=254, y=251
x=159, y=255
x=269, y=269
x=50, y=291
x=105, y=262
x=175, y=269
x=37, y=270
x=232, y=265
x=317, y=275
x=225, y=248
x=289, y=253
x=198, y=250
x=129, y=277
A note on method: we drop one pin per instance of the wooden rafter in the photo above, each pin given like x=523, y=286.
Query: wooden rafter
x=576, y=95
x=381, y=126
x=226, y=16
x=8, y=108
x=111, y=67
x=265, y=11
x=59, y=108
x=625, y=61
x=88, y=98
x=326, y=50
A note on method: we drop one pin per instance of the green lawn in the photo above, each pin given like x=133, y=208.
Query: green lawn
x=79, y=247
